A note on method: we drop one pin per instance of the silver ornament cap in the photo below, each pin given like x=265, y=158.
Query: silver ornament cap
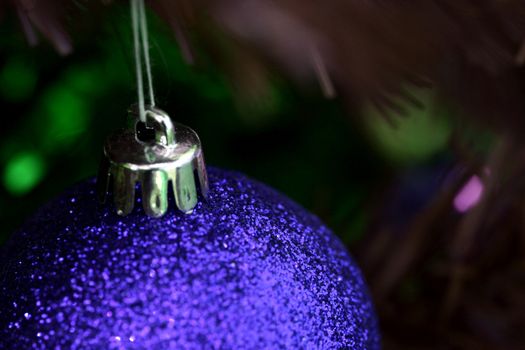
x=153, y=154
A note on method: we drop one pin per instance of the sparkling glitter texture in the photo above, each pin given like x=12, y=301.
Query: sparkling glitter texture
x=249, y=269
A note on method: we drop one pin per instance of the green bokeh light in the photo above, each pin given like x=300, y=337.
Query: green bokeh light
x=23, y=172
x=17, y=80
x=417, y=135
x=85, y=79
x=67, y=115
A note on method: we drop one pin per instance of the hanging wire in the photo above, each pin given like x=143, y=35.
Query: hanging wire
x=140, y=38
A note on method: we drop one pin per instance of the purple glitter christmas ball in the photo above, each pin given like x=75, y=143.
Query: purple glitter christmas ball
x=249, y=269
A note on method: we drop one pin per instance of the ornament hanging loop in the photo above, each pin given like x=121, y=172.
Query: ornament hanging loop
x=158, y=124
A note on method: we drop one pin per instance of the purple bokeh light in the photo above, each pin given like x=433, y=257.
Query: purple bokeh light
x=249, y=269
x=469, y=195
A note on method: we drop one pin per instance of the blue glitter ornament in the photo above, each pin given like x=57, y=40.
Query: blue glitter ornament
x=248, y=269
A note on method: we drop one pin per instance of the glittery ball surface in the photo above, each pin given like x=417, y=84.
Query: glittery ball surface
x=248, y=269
